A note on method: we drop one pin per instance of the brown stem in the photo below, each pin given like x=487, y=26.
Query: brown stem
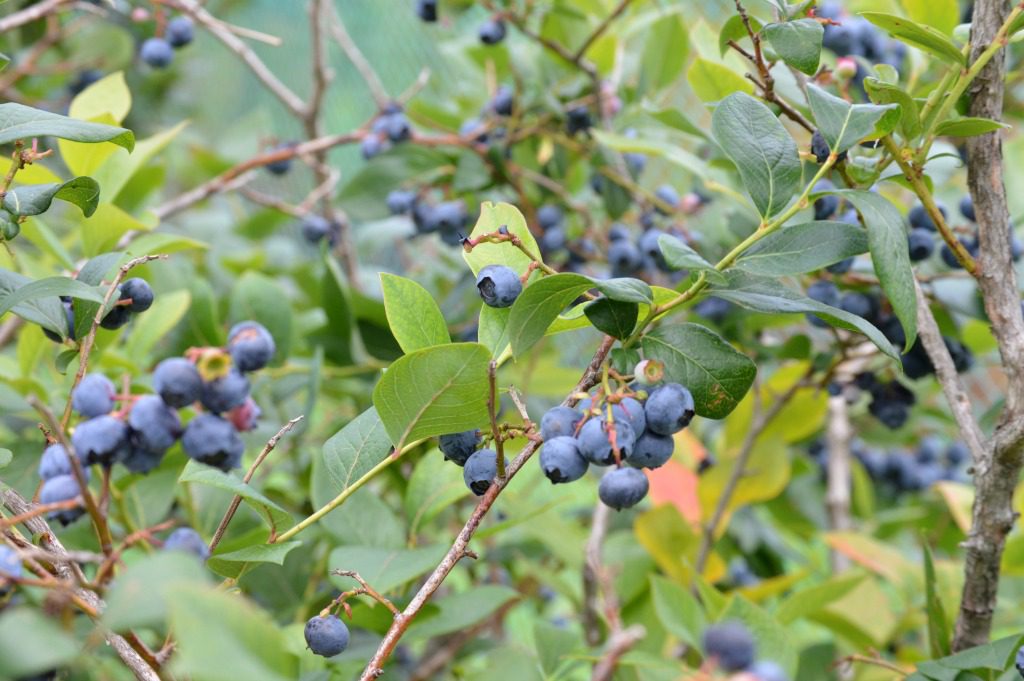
x=620, y=644
x=359, y=61
x=366, y=589
x=31, y=13
x=837, y=495
x=592, y=574
x=492, y=411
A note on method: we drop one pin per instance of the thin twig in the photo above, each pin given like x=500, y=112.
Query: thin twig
x=365, y=588
x=619, y=645
x=337, y=28
x=601, y=28
x=30, y=14
x=592, y=569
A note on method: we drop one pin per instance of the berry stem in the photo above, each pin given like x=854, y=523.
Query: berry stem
x=365, y=589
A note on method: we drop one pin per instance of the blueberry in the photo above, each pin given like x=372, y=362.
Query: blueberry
x=117, y=317
x=61, y=488
x=480, y=469
x=373, y=145
x=10, y=566
x=828, y=205
x=281, y=166
x=649, y=247
x=549, y=216
x=100, y=440
x=651, y=450
x=967, y=208
x=138, y=292
x=225, y=393
x=180, y=31
x=820, y=148
x=474, y=129
x=957, y=453
x=155, y=426
x=426, y=10
x=139, y=459
x=668, y=194
x=499, y=286
x=214, y=441
x=251, y=346
x=857, y=304
x=554, y=240
x=707, y=463
x=504, y=101
x=669, y=409
x=187, y=540
x=766, y=670
x=622, y=487
x=713, y=309
x=618, y=232
x=326, y=636
x=316, y=228
x=824, y=291
x=920, y=243
x=492, y=31
x=1019, y=661
x=69, y=313
x=396, y=126
x=631, y=410
x=561, y=461
x=245, y=416
x=841, y=39
x=624, y=257
x=84, y=79
x=451, y=217
x=949, y=257
x=595, y=442
x=841, y=267
x=400, y=201
x=730, y=644
x=578, y=120
x=458, y=447
x=178, y=382
x=93, y=396
x=55, y=462
x=919, y=217
x=558, y=422
x=929, y=450
x=157, y=52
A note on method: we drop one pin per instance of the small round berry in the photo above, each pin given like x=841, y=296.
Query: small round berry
x=630, y=409
x=214, y=441
x=499, y=286
x=225, y=393
x=651, y=450
x=245, y=416
x=187, y=540
x=138, y=292
x=326, y=636
x=920, y=243
x=178, y=382
x=480, y=470
x=967, y=208
x=93, y=396
x=401, y=202
x=595, y=441
x=55, y=461
x=561, y=461
x=623, y=487
x=730, y=644
x=10, y=564
x=558, y=422
x=251, y=346
x=118, y=316
x=155, y=426
x=100, y=440
x=669, y=409
x=180, y=31
x=458, y=447
x=157, y=52
x=492, y=31
x=426, y=10
x=61, y=488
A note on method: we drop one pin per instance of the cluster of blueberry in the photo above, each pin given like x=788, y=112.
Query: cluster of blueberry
x=923, y=235
x=491, y=32
x=730, y=647
x=486, y=127
x=146, y=426
x=906, y=471
x=853, y=36
x=633, y=428
x=449, y=219
x=390, y=127
x=133, y=296
x=158, y=52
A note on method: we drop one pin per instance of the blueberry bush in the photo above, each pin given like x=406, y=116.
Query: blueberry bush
x=553, y=340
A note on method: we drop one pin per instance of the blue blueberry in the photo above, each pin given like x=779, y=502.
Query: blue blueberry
x=920, y=243
x=919, y=217
x=480, y=469
x=669, y=409
x=841, y=267
x=651, y=450
x=503, y=102
x=154, y=425
x=713, y=309
x=180, y=31
x=69, y=314
x=949, y=257
x=618, y=232
x=178, y=382
x=281, y=166
x=316, y=228
x=630, y=409
x=100, y=440
x=624, y=257
x=55, y=461
x=118, y=316
x=426, y=10
x=766, y=670
x=326, y=636
x=558, y=422
x=492, y=31
x=857, y=304
x=957, y=454
x=824, y=291
x=554, y=240
x=451, y=218
x=93, y=396
x=138, y=292
x=401, y=201
x=157, y=52
x=622, y=487
x=214, y=441
x=561, y=461
x=595, y=442
x=61, y=488
x=730, y=644
x=828, y=205
x=187, y=540
x=1019, y=661
x=10, y=566
x=225, y=393
x=373, y=144
x=820, y=148
x=549, y=216
x=474, y=129
x=929, y=450
x=668, y=194
x=251, y=346
x=458, y=447
x=967, y=208
x=84, y=79
x=578, y=120
x=499, y=286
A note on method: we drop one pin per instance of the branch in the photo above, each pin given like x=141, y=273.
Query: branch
x=619, y=645
x=30, y=14
x=337, y=28
x=375, y=667
x=601, y=28
x=837, y=495
x=591, y=615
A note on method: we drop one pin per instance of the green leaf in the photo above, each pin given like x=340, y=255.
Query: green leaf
x=433, y=486
x=18, y=122
x=224, y=637
x=922, y=37
x=5, y=457
x=814, y=598
x=434, y=391
x=259, y=553
x=48, y=312
x=492, y=329
x=673, y=118
x=139, y=596
x=93, y=273
x=939, y=636
x=887, y=236
x=768, y=295
x=107, y=96
x=539, y=304
x=943, y=15
x=680, y=256
x=672, y=153
x=385, y=569
x=49, y=287
x=625, y=289
x=31, y=643
x=493, y=216
x=337, y=336
x=713, y=82
x=804, y=248
x=666, y=45
x=678, y=610
x=462, y=610
x=257, y=297
x=798, y=43
x=277, y=518
x=843, y=124
x=763, y=151
x=996, y=656
x=734, y=30
x=413, y=316
x=968, y=127
x=697, y=357
x=34, y=199
x=888, y=93
x=613, y=317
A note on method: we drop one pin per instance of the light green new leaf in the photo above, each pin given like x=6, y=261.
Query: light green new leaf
x=493, y=216
x=666, y=45
x=19, y=122
x=968, y=127
x=763, y=151
x=713, y=82
x=277, y=518
x=413, y=316
x=942, y=15
x=434, y=391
